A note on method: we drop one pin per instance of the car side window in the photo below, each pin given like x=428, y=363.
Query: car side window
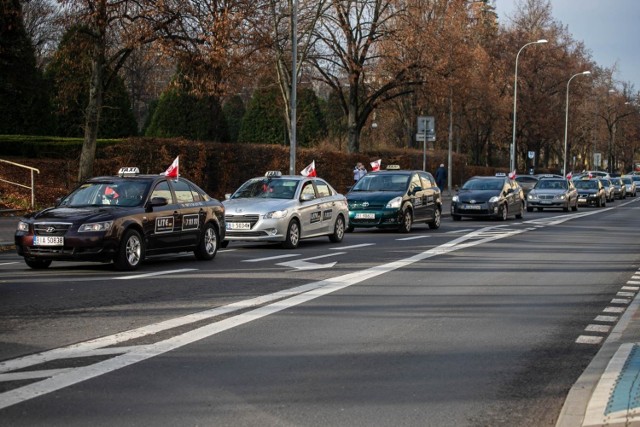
x=183, y=192
x=162, y=190
x=427, y=181
x=308, y=190
x=415, y=182
x=323, y=189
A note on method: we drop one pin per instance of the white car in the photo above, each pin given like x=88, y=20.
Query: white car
x=285, y=209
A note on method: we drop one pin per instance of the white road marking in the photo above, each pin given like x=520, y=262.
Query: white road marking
x=283, y=300
x=625, y=294
x=606, y=318
x=413, y=238
x=466, y=230
x=588, y=339
x=598, y=328
x=620, y=301
x=304, y=264
x=630, y=288
x=633, y=282
x=270, y=258
x=614, y=310
x=8, y=263
x=157, y=273
x=361, y=245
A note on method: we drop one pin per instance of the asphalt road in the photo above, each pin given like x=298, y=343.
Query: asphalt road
x=472, y=324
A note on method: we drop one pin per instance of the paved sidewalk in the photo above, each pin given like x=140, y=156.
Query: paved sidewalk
x=8, y=226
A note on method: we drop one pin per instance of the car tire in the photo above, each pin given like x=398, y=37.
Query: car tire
x=131, y=251
x=293, y=235
x=521, y=214
x=350, y=229
x=504, y=213
x=529, y=209
x=224, y=244
x=456, y=217
x=208, y=245
x=37, y=264
x=338, y=230
x=437, y=218
x=407, y=221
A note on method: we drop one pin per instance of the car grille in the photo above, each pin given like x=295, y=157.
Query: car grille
x=50, y=228
x=546, y=196
x=364, y=206
x=245, y=233
x=252, y=219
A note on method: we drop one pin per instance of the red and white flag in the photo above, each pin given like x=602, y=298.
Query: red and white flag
x=375, y=166
x=569, y=176
x=590, y=175
x=172, y=171
x=512, y=175
x=309, y=170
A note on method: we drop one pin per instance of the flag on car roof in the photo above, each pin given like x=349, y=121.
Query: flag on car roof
x=512, y=175
x=172, y=171
x=309, y=170
x=569, y=176
x=375, y=166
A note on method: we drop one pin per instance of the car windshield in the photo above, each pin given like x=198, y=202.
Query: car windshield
x=120, y=193
x=586, y=185
x=382, y=182
x=483, y=184
x=626, y=180
x=267, y=188
x=548, y=184
x=616, y=181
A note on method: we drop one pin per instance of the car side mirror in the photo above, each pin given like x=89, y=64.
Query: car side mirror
x=157, y=201
x=307, y=197
x=417, y=189
x=227, y=196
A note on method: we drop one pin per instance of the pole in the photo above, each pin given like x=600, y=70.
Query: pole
x=449, y=161
x=294, y=87
x=566, y=121
x=515, y=99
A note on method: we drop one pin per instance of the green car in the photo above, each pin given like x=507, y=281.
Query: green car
x=394, y=199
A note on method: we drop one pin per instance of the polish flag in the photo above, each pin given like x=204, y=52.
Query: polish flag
x=172, y=171
x=590, y=175
x=375, y=166
x=309, y=170
x=569, y=176
x=512, y=175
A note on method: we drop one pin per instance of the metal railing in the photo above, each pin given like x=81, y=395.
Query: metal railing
x=32, y=188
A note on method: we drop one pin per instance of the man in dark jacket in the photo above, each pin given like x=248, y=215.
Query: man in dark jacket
x=441, y=177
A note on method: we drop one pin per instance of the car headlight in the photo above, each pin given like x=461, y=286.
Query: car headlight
x=394, y=203
x=455, y=199
x=532, y=196
x=95, y=226
x=494, y=199
x=23, y=226
x=561, y=196
x=276, y=214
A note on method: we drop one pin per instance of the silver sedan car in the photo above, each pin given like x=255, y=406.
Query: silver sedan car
x=285, y=208
x=553, y=192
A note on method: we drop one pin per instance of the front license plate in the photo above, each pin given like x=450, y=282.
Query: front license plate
x=545, y=202
x=365, y=216
x=238, y=226
x=471, y=207
x=582, y=200
x=48, y=241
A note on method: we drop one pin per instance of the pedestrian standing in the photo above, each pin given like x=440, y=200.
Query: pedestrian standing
x=441, y=177
x=358, y=172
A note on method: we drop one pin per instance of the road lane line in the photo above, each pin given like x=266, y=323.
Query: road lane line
x=413, y=238
x=157, y=273
x=361, y=245
x=270, y=258
x=8, y=263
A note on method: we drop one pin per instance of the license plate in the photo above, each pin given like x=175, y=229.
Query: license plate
x=48, y=241
x=365, y=216
x=238, y=226
x=545, y=202
x=582, y=199
x=471, y=207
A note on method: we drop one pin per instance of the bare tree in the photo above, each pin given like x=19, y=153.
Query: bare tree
x=42, y=23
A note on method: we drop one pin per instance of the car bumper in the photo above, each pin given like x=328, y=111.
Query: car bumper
x=547, y=204
x=76, y=248
x=380, y=218
x=588, y=200
x=261, y=230
x=481, y=210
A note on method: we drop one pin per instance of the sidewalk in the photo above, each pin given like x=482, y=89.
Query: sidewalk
x=8, y=226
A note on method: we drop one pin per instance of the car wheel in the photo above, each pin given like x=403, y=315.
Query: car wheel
x=38, y=264
x=293, y=235
x=529, y=209
x=407, y=221
x=350, y=229
x=504, y=213
x=208, y=246
x=456, y=217
x=437, y=217
x=131, y=251
x=521, y=214
x=338, y=230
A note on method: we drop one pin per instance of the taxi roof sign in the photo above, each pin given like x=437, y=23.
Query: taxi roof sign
x=393, y=167
x=273, y=173
x=501, y=174
x=128, y=171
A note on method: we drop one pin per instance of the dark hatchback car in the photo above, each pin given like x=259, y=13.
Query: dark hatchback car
x=590, y=192
x=488, y=197
x=122, y=219
x=394, y=198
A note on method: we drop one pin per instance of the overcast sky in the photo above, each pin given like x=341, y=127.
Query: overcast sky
x=610, y=29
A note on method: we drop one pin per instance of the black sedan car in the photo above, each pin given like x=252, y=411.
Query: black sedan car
x=590, y=192
x=394, y=198
x=489, y=197
x=122, y=219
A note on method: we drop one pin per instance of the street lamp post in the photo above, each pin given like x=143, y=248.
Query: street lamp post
x=566, y=120
x=515, y=99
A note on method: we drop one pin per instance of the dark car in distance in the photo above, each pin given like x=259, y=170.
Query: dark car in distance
x=590, y=192
x=122, y=219
x=489, y=197
x=394, y=198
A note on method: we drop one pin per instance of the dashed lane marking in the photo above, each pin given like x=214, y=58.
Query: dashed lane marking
x=589, y=339
x=611, y=319
x=157, y=273
x=361, y=245
x=413, y=238
x=270, y=258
